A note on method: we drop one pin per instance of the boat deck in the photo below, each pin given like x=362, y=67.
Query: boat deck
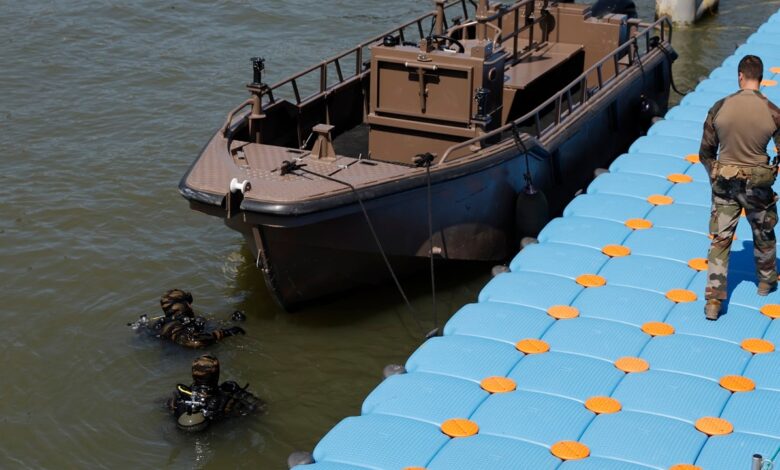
x=593, y=352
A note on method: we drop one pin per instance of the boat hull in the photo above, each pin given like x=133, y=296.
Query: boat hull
x=327, y=252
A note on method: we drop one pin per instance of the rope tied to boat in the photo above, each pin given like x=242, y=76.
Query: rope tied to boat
x=425, y=160
x=655, y=41
x=290, y=166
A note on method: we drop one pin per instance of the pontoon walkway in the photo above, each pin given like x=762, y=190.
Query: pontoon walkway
x=593, y=352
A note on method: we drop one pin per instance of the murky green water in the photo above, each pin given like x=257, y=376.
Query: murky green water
x=103, y=105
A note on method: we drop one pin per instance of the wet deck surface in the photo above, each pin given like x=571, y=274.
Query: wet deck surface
x=593, y=352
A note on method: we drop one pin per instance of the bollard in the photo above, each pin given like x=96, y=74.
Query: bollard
x=685, y=11
x=758, y=462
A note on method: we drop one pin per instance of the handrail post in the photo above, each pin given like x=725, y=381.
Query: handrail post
x=323, y=77
x=516, y=38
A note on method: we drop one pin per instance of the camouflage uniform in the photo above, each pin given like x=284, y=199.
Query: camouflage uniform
x=207, y=400
x=181, y=326
x=737, y=187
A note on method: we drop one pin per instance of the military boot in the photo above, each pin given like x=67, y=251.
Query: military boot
x=764, y=288
x=712, y=309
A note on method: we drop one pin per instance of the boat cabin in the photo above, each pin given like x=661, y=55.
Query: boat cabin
x=460, y=81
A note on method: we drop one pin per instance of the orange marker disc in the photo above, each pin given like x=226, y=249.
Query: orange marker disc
x=638, y=224
x=768, y=82
x=712, y=426
x=603, y=405
x=737, y=383
x=591, y=280
x=570, y=450
x=699, y=264
x=532, y=346
x=459, y=427
x=657, y=328
x=414, y=468
x=681, y=295
x=632, y=364
x=758, y=346
x=771, y=310
x=498, y=384
x=563, y=312
x=775, y=69
x=679, y=178
x=693, y=158
x=660, y=200
x=616, y=251
x=685, y=466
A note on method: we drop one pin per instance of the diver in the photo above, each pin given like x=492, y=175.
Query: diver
x=180, y=325
x=206, y=400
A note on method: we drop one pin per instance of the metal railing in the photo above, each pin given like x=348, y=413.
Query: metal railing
x=564, y=103
x=334, y=64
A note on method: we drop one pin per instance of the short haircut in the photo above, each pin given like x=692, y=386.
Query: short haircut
x=751, y=67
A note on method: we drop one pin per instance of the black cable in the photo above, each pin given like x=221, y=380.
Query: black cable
x=426, y=160
x=373, y=234
x=671, y=73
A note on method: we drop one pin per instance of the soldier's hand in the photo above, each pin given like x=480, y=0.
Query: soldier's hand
x=234, y=330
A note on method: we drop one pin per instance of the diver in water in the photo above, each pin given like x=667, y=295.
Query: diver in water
x=180, y=325
x=206, y=400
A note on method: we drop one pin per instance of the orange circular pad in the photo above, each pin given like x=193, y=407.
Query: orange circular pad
x=603, y=405
x=616, y=251
x=679, y=178
x=693, y=158
x=532, y=346
x=591, y=280
x=681, y=295
x=632, y=364
x=771, y=310
x=459, y=427
x=660, y=200
x=563, y=312
x=685, y=466
x=638, y=224
x=657, y=328
x=758, y=346
x=775, y=69
x=699, y=264
x=737, y=383
x=570, y=450
x=498, y=384
x=768, y=82
x=714, y=426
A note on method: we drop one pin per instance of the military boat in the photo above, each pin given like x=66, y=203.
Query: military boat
x=435, y=139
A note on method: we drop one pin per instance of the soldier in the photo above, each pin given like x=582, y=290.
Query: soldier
x=741, y=176
x=180, y=325
x=204, y=401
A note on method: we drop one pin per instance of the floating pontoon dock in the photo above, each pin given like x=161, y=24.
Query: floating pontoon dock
x=593, y=352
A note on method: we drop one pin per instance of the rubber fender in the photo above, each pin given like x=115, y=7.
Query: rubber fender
x=532, y=213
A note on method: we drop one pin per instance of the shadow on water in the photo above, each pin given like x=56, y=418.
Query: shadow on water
x=456, y=283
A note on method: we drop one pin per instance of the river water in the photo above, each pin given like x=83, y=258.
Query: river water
x=103, y=106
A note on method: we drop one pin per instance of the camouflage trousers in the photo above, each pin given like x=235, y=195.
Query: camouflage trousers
x=729, y=197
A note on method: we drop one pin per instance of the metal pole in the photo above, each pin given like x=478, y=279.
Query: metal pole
x=758, y=462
